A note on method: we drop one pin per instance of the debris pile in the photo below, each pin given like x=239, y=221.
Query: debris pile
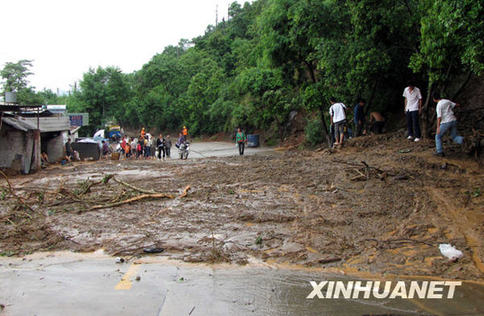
x=24, y=208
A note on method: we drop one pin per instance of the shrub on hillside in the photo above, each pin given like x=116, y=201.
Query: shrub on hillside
x=314, y=132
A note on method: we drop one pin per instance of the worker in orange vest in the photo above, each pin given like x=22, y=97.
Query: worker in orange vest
x=142, y=134
x=185, y=131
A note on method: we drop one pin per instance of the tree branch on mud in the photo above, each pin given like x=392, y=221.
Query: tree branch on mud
x=12, y=192
x=90, y=200
x=134, y=199
x=133, y=187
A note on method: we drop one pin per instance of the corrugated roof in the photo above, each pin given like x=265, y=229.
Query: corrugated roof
x=18, y=124
x=49, y=124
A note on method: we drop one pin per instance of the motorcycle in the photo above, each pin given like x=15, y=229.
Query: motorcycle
x=183, y=150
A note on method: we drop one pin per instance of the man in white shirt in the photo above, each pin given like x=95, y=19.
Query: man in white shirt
x=337, y=116
x=413, y=108
x=445, y=121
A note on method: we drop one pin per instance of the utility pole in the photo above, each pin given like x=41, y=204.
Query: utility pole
x=216, y=15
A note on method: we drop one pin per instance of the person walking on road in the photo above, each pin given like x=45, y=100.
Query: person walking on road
x=147, y=147
x=241, y=140
x=413, y=109
x=337, y=114
x=168, y=145
x=160, y=144
x=446, y=121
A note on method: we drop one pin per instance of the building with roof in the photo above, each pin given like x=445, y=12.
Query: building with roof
x=54, y=131
x=20, y=145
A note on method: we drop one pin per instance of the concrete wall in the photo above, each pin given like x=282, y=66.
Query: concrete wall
x=55, y=148
x=16, y=149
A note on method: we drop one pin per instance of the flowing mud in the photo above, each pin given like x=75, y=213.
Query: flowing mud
x=380, y=205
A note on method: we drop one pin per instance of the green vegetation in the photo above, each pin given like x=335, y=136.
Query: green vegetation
x=276, y=56
x=314, y=132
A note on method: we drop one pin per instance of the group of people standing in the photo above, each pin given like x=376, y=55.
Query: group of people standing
x=339, y=125
x=146, y=146
x=446, y=120
x=163, y=144
x=137, y=147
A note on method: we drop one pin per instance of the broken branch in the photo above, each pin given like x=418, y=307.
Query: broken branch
x=185, y=192
x=133, y=187
x=134, y=199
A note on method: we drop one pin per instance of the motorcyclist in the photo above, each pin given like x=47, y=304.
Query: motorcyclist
x=181, y=140
x=183, y=146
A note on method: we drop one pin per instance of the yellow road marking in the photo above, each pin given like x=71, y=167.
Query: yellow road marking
x=126, y=280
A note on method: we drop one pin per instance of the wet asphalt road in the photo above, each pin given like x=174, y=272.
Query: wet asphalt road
x=65, y=283
x=219, y=149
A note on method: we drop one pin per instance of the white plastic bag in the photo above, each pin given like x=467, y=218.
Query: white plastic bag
x=450, y=251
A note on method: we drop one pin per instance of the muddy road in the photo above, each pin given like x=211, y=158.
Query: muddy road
x=380, y=205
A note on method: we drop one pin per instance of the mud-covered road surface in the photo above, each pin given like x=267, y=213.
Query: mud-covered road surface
x=321, y=209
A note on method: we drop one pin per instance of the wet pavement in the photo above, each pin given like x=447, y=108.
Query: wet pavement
x=220, y=149
x=65, y=283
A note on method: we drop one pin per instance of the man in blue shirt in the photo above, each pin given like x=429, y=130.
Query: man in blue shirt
x=359, y=118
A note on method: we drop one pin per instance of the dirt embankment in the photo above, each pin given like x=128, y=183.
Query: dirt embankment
x=319, y=209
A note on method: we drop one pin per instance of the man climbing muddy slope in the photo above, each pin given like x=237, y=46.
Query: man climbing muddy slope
x=446, y=121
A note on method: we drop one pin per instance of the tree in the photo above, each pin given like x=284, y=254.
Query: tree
x=451, y=44
x=15, y=75
x=103, y=93
x=275, y=56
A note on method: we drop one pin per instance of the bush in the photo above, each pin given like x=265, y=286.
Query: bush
x=314, y=132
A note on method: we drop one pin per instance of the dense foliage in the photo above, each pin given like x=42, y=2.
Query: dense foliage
x=273, y=57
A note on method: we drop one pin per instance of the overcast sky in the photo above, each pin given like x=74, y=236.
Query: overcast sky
x=66, y=37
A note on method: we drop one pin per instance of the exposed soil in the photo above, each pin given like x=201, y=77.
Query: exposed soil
x=315, y=208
